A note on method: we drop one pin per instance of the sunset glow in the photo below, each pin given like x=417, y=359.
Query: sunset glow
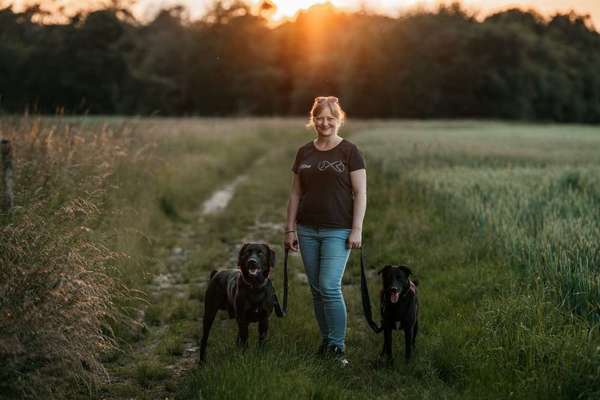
x=146, y=9
x=289, y=8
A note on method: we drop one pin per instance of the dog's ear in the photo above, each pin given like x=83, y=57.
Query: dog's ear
x=406, y=270
x=241, y=253
x=271, y=256
x=384, y=269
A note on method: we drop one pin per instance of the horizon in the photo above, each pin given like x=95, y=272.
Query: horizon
x=146, y=10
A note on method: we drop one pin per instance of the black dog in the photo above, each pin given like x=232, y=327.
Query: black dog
x=246, y=293
x=399, y=304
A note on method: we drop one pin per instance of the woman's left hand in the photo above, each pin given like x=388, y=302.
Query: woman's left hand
x=355, y=239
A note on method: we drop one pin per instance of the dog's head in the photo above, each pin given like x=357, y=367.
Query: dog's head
x=256, y=261
x=396, y=282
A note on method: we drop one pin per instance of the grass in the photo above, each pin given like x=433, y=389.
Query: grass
x=488, y=332
x=100, y=200
x=527, y=340
x=544, y=221
x=147, y=372
x=486, y=213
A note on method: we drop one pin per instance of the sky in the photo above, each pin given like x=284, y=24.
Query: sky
x=287, y=8
x=146, y=9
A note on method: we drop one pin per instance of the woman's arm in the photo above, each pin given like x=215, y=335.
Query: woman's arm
x=359, y=188
x=290, y=241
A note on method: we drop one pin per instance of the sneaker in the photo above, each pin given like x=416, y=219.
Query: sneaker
x=338, y=355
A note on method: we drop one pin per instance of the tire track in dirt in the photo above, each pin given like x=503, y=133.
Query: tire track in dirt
x=171, y=283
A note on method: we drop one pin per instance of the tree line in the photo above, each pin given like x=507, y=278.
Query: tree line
x=445, y=63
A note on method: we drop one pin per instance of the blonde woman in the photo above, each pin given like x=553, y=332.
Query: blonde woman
x=325, y=215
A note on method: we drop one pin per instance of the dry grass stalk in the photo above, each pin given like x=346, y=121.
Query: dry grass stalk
x=57, y=291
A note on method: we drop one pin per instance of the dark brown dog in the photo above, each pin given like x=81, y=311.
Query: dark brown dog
x=246, y=293
x=399, y=309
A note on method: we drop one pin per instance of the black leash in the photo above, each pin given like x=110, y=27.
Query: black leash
x=364, y=291
x=279, y=311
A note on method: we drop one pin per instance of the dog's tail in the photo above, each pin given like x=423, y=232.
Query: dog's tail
x=212, y=273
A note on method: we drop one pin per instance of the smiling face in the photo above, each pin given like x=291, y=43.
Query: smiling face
x=325, y=123
x=256, y=261
x=326, y=116
x=395, y=281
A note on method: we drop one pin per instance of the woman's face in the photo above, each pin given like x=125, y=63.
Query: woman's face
x=326, y=124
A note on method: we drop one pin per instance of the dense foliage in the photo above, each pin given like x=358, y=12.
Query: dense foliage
x=514, y=64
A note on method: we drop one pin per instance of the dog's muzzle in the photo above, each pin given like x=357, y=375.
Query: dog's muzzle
x=252, y=265
x=394, y=295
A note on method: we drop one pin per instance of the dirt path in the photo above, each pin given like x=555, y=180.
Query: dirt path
x=140, y=373
x=171, y=283
x=221, y=198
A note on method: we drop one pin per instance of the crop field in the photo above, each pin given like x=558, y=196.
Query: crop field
x=116, y=226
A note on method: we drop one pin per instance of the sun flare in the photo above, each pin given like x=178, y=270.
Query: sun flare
x=288, y=8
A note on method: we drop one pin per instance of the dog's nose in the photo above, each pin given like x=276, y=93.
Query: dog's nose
x=394, y=289
x=252, y=263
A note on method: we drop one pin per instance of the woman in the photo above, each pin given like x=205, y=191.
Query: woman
x=325, y=215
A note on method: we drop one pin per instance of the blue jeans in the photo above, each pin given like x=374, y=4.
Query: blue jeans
x=325, y=253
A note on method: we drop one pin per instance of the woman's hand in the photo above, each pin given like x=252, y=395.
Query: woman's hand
x=355, y=239
x=290, y=242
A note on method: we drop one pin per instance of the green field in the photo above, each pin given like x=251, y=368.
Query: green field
x=500, y=222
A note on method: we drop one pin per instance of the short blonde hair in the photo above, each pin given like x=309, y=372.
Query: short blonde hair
x=332, y=103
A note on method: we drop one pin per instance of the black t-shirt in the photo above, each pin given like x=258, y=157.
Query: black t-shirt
x=327, y=199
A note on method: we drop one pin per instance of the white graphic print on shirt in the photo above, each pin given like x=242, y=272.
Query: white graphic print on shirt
x=338, y=166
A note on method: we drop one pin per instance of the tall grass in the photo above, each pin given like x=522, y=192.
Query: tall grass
x=57, y=284
x=95, y=198
x=498, y=221
x=523, y=203
x=488, y=329
x=531, y=191
x=547, y=222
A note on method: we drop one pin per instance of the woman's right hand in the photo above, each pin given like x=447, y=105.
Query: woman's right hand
x=291, y=241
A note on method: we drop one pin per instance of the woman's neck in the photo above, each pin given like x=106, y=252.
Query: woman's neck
x=327, y=142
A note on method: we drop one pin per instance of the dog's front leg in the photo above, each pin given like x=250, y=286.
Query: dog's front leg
x=242, y=339
x=408, y=341
x=414, y=338
x=263, y=330
x=386, y=353
x=211, y=307
x=208, y=320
